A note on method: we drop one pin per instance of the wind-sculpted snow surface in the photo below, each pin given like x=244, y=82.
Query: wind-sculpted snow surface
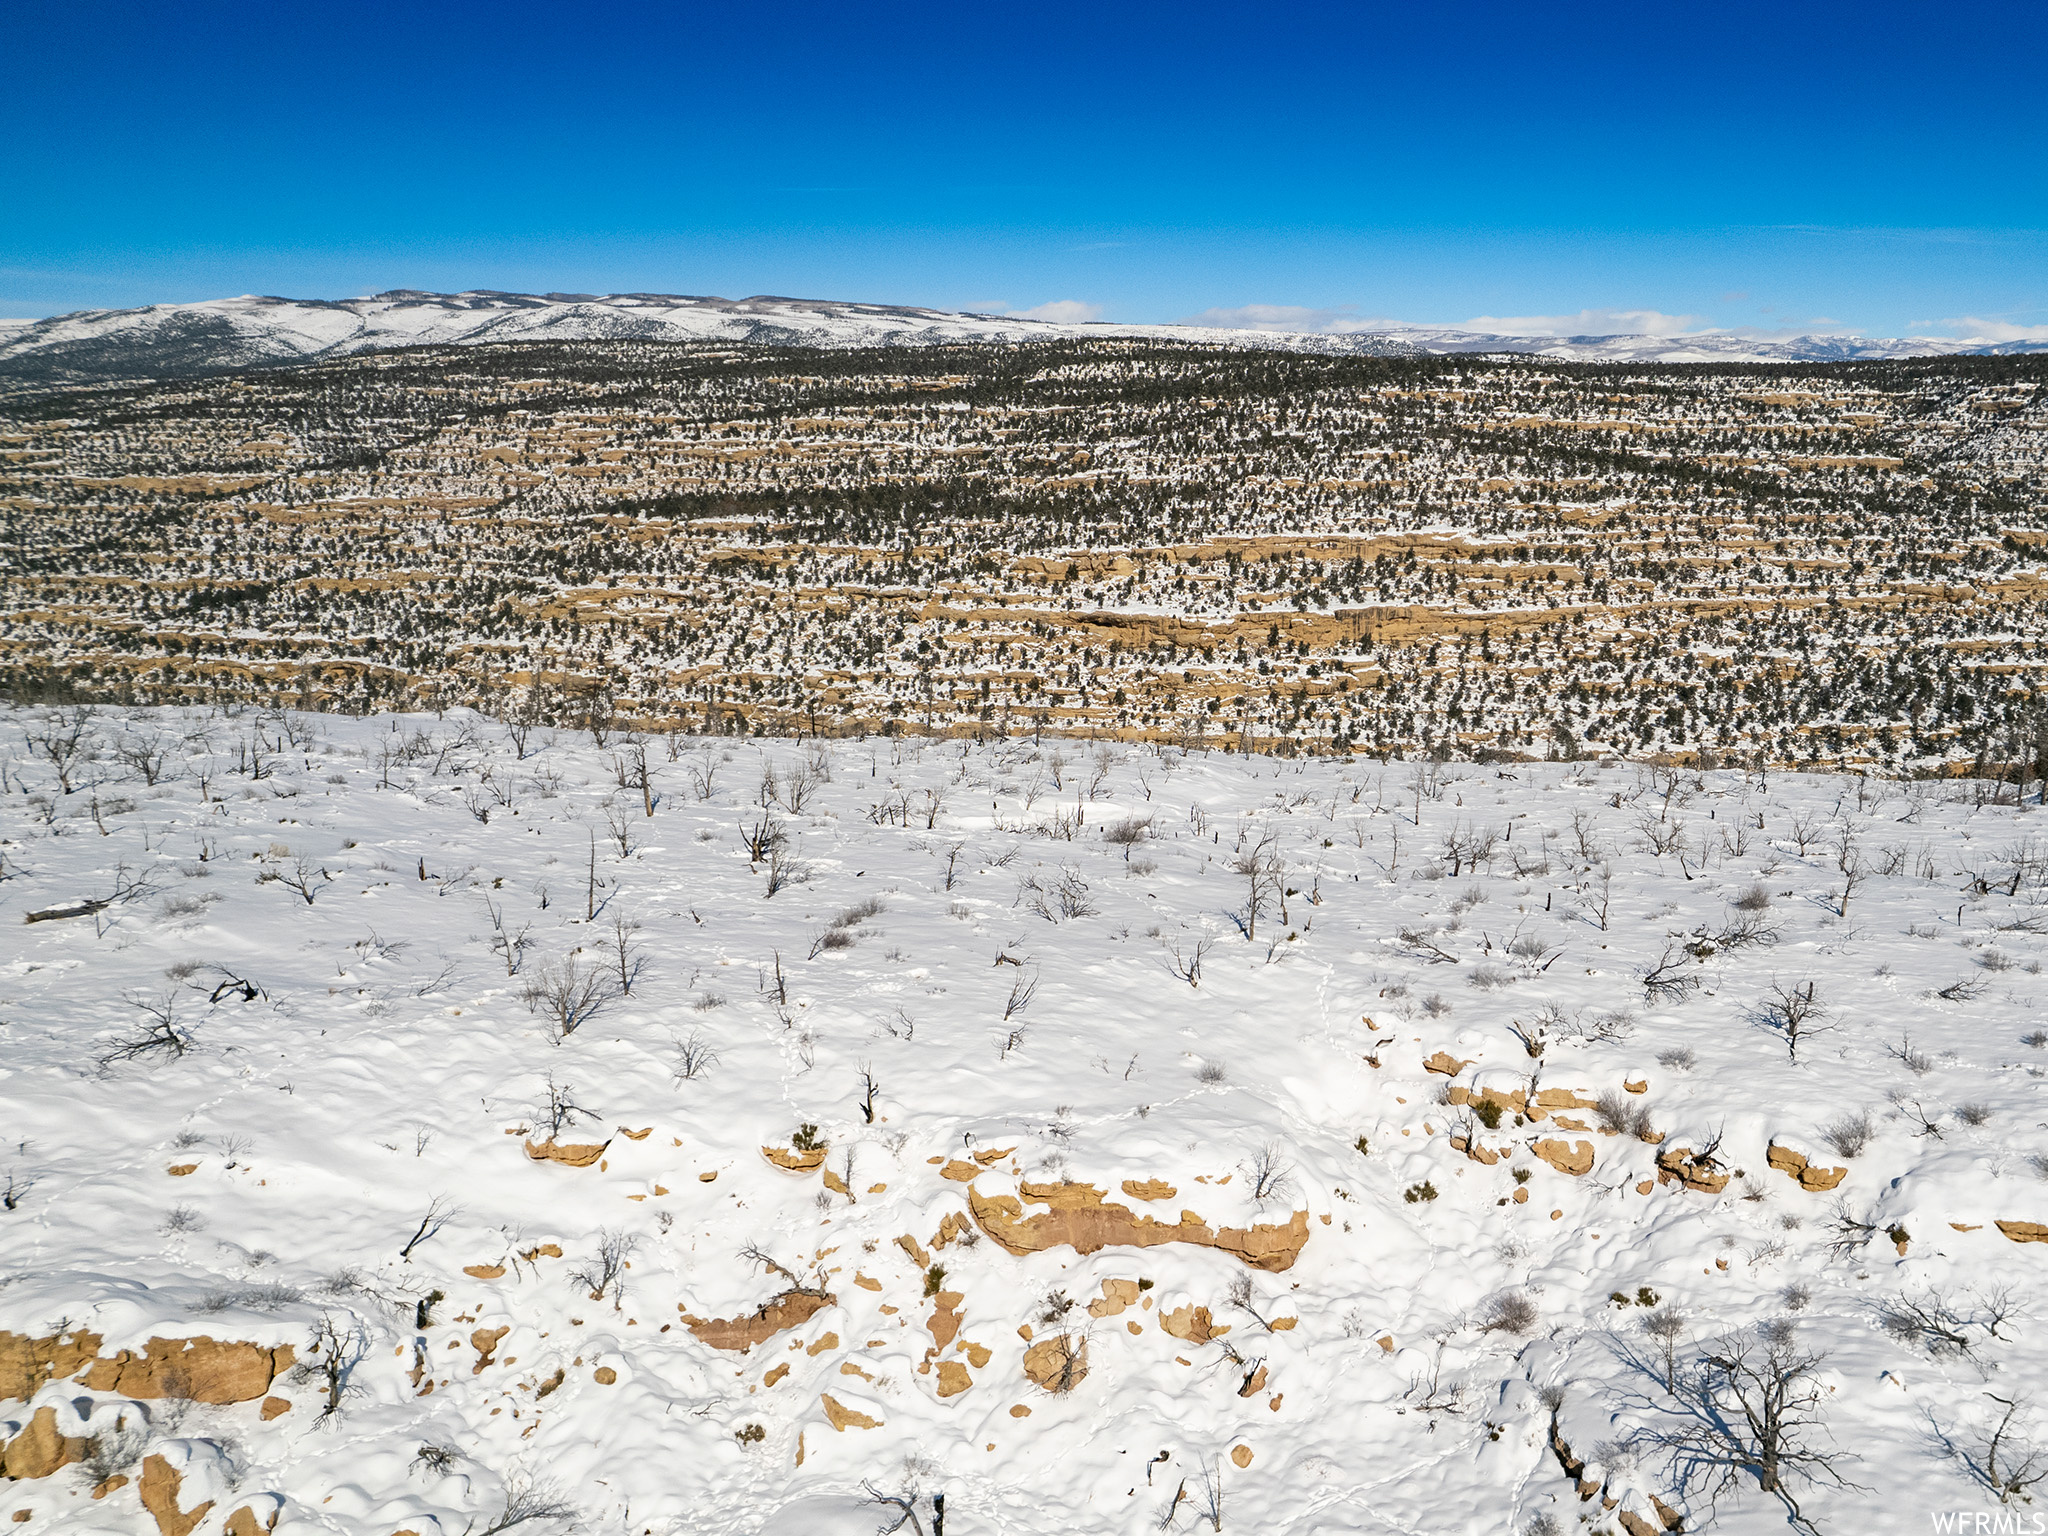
x=413, y=1126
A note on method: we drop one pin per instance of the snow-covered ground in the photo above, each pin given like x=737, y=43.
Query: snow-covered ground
x=350, y=1135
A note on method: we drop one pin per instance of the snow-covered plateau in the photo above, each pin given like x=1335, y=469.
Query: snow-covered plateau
x=423, y=1125
x=257, y=330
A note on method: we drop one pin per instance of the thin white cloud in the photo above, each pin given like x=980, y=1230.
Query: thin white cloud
x=1061, y=312
x=1292, y=318
x=1587, y=322
x=1296, y=318
x=1971, y=328
x=1340, y=322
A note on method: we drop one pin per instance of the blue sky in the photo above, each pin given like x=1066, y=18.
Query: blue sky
x=1880, y=167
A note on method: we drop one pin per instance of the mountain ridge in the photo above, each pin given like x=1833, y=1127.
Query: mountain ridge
x=251, y=330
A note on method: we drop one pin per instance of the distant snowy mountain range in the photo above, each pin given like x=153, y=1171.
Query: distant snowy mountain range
x=253, y=331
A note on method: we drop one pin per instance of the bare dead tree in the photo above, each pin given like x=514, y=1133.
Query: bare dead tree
x=1187, y=963
x=1666, y=1326
x=1752, y=1407
x=1913, y=1110
x=784, y=870
x=440, y=1211
x=1852, y=1233
x=603, y=1273
x=1663, y=836
x=1466, y=847
x=597, y=715
x=156, y=1030
x=1584, y=827
x=703, y=774
x=1807, y=830
x=1056, y=898
x=1127, y=833
x=231, y=985
x=905, y=1505
x=508, y=944
x=1855, y=874
x=303, y=876
x=1596, y=893
x=1211, y=1506
x=560, y=1109
x=753, y=1253
x=1418, y=945
x=1796, y=1012
x=1264, y=873
x=1907, y=1056
x=1022, y=991
x=567, y=995
x=763, y=836
x=1941, y=1324
x=1244, y=1296
x=868, y=1089
x=628, y=957
x=336, y=1349
x=150, y=756
x=1670, y=980
x=1431, y=1393
x=694, y=1058
x=1271, y=1175
x=620, y=825
x=2008, y=1463
x=630, y=766
x=801, y=784
x=1742, y=930
x=63, y=738
x=16, y=1189
x=519, y=721
x=528, y=1501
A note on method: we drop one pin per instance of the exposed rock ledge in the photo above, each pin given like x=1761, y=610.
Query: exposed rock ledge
x=203, y=1369
x=1078, y=1217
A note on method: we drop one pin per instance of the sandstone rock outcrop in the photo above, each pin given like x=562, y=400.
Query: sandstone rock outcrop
x=204, y=1369
x=1572, y=1157
x=792, y=1309
x=1077, y=1216
x=1193, y=1324
x=844, y=1418
x=1683, y=1166
x=1058, y=1363
x=1809, y=1175
x=40, y=1448
x=162, y=1485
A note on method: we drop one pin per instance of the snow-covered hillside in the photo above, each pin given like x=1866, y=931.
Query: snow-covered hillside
x=1103, y=1140
x=253, y=331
